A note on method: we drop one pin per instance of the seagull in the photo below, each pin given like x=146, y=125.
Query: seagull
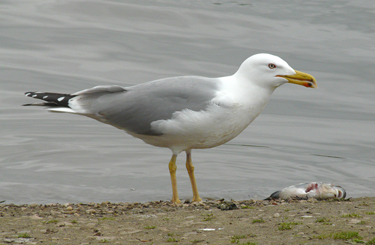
x=186, y=112
x=318, y=190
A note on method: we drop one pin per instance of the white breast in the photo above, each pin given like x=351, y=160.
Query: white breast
x=229, y=113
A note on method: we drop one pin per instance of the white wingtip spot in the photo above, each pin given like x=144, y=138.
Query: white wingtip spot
x=61, y=98
x=34, y=96
x=45, y=97
x=27, y=94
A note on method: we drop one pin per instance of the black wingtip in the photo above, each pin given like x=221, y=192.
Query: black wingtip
x=52, y=99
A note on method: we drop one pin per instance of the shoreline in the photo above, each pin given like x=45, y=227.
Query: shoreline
x=210, y=222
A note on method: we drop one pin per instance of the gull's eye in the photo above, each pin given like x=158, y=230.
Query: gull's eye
x=271, y=66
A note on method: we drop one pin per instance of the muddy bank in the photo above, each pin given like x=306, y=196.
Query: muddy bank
x=210, y=222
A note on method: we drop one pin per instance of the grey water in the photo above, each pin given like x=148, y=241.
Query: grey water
x=326, y=134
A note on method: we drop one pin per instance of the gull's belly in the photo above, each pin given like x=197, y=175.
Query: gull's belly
x=205, y=129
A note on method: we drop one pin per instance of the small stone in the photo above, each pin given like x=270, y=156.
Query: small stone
x=252, y=201
x=91, y=224
x=190, y=233
x=228, y=206
x=106, y=238
x=90, y=211
x=276, y=215
x=61, y=224
x=354, y=221
x=35, y=216
x=306, y=216
x=69, y=208
x=8, y=240
x=53, y=212
x=129, y=231
x=312, y=200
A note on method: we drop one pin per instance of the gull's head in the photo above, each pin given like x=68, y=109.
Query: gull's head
x=270, y=71
x=332, y=191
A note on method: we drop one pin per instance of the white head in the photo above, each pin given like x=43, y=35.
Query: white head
x=270, y=71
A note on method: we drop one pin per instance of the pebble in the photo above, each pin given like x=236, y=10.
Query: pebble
x=354, y=221
x=90, y=211
x=276, y=215
x=190, y=233
x=252, y=201
x=129, y=232
x=35, y=216
x=163, y=229
x=53, y=212
x=105, y=238
x=207, y=229
x=312, y=200
x=19, y=240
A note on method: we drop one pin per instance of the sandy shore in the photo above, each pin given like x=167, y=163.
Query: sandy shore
x=248, y=222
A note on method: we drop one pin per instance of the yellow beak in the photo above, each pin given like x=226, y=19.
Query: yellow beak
x=301, y=78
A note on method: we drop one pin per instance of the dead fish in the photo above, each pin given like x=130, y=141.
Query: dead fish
x=318, y=190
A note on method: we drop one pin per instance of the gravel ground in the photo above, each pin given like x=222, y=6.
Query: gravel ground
x=248, y=222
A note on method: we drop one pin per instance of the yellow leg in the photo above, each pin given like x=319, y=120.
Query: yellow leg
x=172, y=171
x=190, y=169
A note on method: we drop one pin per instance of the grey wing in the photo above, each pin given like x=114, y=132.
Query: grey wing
x=135, y=108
